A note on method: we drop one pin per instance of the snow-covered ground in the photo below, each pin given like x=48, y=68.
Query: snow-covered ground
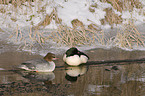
x=23, y=17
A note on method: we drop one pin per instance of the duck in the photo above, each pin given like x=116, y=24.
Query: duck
x=40, y=65
x=74, y=57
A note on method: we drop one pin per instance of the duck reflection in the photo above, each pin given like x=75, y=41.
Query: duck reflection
x=72, y=73
x=37, y=76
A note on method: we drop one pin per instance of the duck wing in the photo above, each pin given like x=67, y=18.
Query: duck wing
x=29, y=66
x=33, y=64
x=81, y=53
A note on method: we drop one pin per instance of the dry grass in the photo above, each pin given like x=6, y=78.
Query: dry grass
x=48, y=19
x=111, y=18
x=119, y=5
x=78, y=35
x=29, y=39
x=129, y=36
x=72, y=36
x=15, y=2
x=124, y=5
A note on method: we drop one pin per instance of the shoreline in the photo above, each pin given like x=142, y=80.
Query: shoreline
x=9, y=59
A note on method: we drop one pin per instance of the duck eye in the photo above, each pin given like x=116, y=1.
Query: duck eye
x=53, y=56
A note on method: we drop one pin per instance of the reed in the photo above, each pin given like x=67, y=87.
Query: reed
x=124, y=5
x=129, y=36
x=72, y=37
x=48, y=19
x=112, y=18
x=79, y=34
x=27, y=40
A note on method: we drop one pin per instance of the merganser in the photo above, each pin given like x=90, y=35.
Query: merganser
x=74, y=57
x=40, y=65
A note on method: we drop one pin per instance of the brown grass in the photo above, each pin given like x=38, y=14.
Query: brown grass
x=111, y=18
x=124, y=5
x=15, y=2
x=129, y=36
x=119, y=5
x=80, y=34
x=33, y=36
x=72, y=36
x=49, y=18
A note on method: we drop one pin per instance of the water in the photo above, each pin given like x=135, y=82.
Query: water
x=77, y=81
x=125, y=79
x=120, y=79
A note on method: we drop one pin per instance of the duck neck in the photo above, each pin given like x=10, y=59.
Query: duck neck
x=52, y=63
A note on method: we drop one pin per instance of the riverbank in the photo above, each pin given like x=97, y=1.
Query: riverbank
x=12, y=58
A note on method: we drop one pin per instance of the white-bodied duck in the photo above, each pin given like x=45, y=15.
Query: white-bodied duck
x=74, y=57
x=40, y=65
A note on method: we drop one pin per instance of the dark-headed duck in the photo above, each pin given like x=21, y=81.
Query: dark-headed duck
x=74, y=57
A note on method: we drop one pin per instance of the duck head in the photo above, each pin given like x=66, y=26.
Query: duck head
x=72, y=51
x=50, y=57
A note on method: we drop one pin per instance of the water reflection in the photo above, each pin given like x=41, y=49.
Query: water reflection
x=37, y=76
x=72, y=73
x=127, y=80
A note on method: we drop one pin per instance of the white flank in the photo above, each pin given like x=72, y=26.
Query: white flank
x=73, y=60
x=83, y=58
x=64, y=58
x=52, y=67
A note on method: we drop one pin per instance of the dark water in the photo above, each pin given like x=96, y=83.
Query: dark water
x=124, y=79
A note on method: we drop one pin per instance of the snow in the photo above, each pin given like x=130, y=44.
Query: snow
x=25, y=17
x=71, y=10
x=135, y=15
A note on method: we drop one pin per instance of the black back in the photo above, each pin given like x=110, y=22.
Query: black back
x=74, y=51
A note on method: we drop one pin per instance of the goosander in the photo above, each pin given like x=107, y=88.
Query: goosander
x=74, y=57
x=40, y=65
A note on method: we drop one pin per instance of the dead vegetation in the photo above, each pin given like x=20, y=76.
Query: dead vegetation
x=29, y=39
x=119, y=5
x=78, y=35
x=15, y=2
x=49, y=17
x=128, y=36
x=81, y=34
x=111, y=18
x=124, y=5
